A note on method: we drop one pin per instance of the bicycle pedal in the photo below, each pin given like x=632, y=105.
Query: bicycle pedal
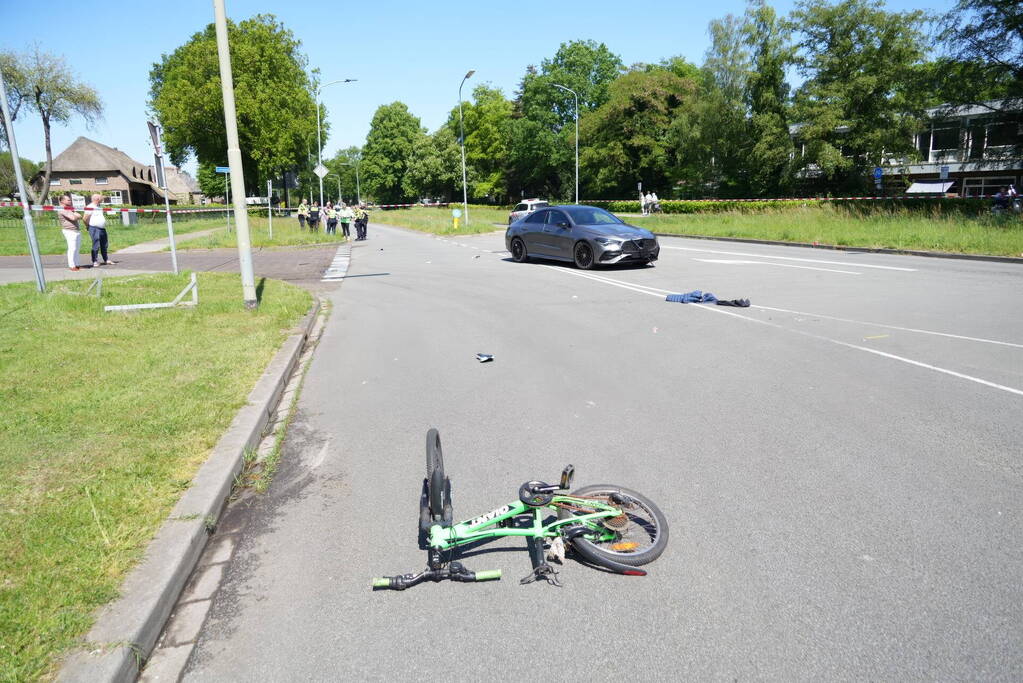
x=544, y=572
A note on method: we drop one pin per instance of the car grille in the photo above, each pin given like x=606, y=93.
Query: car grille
x=638, y=245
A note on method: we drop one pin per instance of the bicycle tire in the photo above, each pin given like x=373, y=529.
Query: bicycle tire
x=435, y=480
x=647, y=527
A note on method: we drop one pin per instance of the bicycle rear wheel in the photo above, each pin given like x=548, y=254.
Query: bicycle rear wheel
x=638, y=536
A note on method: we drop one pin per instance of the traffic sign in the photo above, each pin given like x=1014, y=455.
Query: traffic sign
x=457, y=213
x=878, y=173
x=321, y=170
x=944, y=173
x=223, y=169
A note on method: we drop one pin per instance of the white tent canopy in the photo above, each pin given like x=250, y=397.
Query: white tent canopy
x=930, y=186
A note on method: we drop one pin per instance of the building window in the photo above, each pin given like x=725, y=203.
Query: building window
x=101, y=181
x=944, y=143
x=54, y=182
x=1002, y=134
x=114, y=198
x=976, y=187
x=74, y=181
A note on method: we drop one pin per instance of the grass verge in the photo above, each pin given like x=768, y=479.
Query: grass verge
x=438, y=220
x=836, y=226
x=51, y=240
x=107, y=417
x=286, y=234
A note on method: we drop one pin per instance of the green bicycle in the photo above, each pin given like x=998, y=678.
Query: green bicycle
x=608, y=526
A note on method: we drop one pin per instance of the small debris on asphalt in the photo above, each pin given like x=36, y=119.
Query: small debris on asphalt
x=476, y=256
x=655, y=330
x=484, y=357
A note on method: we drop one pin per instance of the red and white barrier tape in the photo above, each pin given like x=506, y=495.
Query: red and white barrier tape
x=788, y=199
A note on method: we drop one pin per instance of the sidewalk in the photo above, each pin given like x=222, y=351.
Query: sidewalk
x=164, y=242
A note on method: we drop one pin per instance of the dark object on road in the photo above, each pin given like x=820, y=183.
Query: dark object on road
x=484, y=357
x=584, y=235
x=698, y=297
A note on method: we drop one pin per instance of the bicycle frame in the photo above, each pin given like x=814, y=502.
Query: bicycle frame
x=486, y=526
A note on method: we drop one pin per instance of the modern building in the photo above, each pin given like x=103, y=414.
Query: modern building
x=87, y=166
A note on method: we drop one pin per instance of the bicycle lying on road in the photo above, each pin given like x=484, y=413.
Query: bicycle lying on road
x=607, y=525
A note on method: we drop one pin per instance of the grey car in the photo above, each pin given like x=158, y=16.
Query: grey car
x=585, y=235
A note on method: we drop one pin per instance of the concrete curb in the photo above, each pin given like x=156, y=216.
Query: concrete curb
x=126, y=630
x=863, y=250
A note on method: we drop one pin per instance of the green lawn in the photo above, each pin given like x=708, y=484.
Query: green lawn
x=438, y=220
x=51, y=241
x=286, y=233
x=834, y=226
x=107, y=416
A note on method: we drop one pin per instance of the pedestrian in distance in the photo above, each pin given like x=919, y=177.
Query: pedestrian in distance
x=303, y=213
x=331, y=219
x=1000, y=202
x=68, y=219
x=96, y=223
x=314, y=217
x=642, y=203
x=653, y=203
x=345, y=217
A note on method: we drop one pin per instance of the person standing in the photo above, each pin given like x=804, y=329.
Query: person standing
x=642, y=203
x=303, y=212
x=67, y=219
x=653, y=204
x=331, y=219
x=360, y=223
x=345, y=216
x=314, y=217
x=96, y=223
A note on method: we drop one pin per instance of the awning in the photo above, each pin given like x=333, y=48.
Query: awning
x=930, y=186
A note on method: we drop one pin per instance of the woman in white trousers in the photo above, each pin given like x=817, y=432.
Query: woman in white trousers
x=68, y=219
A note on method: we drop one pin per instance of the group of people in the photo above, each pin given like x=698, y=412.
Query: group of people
x=95, y=221
x=1006, y=200
x=649, y=203
x=342, y=213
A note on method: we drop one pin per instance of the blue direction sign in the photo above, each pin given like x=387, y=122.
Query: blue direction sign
x=878, y=173
x=223, y=169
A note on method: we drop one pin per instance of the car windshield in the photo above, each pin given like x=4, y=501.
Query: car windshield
x=591, y=215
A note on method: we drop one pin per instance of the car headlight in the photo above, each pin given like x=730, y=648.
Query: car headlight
x=608, y=242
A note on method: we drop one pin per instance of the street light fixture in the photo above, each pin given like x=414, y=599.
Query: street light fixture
x=576, y=137
x=461, y=139
x=358, y=188
x=319, y=144
x=338, y=185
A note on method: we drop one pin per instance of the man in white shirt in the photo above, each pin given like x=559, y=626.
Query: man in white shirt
x=96, y=222
x=653, y=204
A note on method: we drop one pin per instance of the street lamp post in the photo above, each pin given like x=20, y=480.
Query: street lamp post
x=338, y=185
x=576, y=137
x=461, y=139
x=358, y=187
x=319, y=144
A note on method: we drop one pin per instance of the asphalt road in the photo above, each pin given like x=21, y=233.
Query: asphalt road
x=840, y=465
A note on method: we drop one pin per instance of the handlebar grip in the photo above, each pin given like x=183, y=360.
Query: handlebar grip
x=488, y=575
x=382, y=582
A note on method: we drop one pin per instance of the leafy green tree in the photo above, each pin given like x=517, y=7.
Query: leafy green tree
x=211, y=183
x=434, y=169
x=984, y=39
x=273, y=97
x=859, y=101
x=8, y=179
x=628, y=137
x=43, y=83
x=485, y=122
x=393, y=133
x=343, y=165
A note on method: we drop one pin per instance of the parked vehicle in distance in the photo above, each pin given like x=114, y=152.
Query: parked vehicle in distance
x=585, y=235
x=526, y=207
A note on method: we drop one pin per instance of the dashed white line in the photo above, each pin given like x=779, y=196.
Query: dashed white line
x=790, y=258
x=338, y=268
x=769, y=263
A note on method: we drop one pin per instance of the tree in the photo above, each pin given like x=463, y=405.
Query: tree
x=211, y=183
x=859, y=102
x=393, y=133
x=44, y=83
x=984, y=39
x=273, y=98
x=343, y=164
x=628, y=137
x=434, y=168
x=8, y=179
x=485, y=122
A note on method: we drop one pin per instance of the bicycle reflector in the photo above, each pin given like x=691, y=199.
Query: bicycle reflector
x=621, y=547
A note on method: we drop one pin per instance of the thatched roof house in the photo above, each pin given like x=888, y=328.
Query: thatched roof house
x=88, y=166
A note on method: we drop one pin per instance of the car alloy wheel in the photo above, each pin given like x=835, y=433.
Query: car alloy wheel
x=518, y=251
x=583, y=256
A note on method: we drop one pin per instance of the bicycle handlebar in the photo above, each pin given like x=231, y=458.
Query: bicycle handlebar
x=456, y=572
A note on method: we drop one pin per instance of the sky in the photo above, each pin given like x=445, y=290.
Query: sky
x=399, y=50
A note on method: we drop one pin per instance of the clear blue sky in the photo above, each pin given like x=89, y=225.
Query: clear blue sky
x=406, y=50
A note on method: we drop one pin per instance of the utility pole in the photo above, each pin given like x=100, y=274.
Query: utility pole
x=234, y=158
x=26, y=212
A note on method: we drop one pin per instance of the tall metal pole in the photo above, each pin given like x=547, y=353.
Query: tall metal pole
x=576, y=137
x=234, y=159
x=155, y=131
x=269, y=206
x=461, y=139
x=26, y=212
x=319, y=145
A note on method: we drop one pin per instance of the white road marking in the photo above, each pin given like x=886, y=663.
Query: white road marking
x=716, y=309
x=893, y=327
x=338, y=268
x=790, y=258
x=736, y=262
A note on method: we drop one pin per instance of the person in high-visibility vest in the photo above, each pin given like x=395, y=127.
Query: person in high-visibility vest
x=303, y=212
x=331, y=219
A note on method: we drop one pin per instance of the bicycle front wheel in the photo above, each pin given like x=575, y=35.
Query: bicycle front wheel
x=638, y=536
x=435, y=474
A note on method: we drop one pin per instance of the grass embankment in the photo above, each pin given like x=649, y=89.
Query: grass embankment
x=286, y=234
x=954, y=233
x=51, y=240
x=438, y=220
x=107, y=416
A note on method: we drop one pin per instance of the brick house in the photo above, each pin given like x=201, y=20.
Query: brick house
x=87, y=166
x=182, y=186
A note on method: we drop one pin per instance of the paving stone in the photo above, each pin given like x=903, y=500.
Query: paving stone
x=204, y=583
x=186, y=622
x=166, y=664
x=219, y=549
